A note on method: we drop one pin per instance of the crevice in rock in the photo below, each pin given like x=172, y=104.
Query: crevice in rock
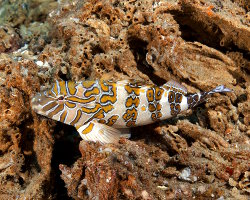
x=66, y=151
x=27, y=144
x=192, y=30
x=63, y=76
x=206, y=33
x=138, y=48
x=97, y=50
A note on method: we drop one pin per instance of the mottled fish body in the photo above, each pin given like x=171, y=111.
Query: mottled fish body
x=104, y=110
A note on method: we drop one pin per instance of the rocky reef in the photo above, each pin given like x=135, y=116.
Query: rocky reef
x=203, y=153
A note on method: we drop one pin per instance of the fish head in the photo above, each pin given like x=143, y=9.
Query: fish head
x=45, y=101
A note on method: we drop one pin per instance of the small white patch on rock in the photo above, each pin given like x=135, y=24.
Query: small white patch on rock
x=24, y=71
x=145, y=195
x=185, y=174
x=39, y=63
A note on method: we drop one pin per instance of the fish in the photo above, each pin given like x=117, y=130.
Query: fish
x=104, y=111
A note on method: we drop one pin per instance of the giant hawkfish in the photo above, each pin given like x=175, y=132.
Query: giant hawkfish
x=105, y=110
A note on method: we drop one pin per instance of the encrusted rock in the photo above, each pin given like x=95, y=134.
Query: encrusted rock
x=202, y=153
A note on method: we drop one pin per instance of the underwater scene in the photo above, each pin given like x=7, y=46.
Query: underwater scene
x=125, y=99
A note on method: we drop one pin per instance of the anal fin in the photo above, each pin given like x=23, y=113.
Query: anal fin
x=97, y=132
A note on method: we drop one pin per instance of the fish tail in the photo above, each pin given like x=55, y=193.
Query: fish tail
x=219, y=89
x=198, y=98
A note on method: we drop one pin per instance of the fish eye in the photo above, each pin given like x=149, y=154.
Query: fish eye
x=60, y=98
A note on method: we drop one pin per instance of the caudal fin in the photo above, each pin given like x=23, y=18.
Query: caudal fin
x=195, y=99
x=219, y=89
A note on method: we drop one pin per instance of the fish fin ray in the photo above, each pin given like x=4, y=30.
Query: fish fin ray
x=176, y=85
x=219, y=89
x=131, y=81
x=97, y=132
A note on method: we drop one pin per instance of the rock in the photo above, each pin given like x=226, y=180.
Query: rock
x=201, y=44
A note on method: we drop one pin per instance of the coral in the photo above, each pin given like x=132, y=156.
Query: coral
x=10, y=41
x=25, y=140
x=18, y=12
x=244, y=183
x=202, y=153
x=216, y=18
x=111, y=168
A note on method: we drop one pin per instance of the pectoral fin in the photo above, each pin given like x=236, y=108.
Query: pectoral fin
x=94, y=131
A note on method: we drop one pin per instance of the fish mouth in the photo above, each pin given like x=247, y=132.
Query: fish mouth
x=39, y=101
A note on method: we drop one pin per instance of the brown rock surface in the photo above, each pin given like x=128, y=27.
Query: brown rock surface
x=203, y=153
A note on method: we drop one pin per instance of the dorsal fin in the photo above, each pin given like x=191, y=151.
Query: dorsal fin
x=176, y=85
x=131, y=81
